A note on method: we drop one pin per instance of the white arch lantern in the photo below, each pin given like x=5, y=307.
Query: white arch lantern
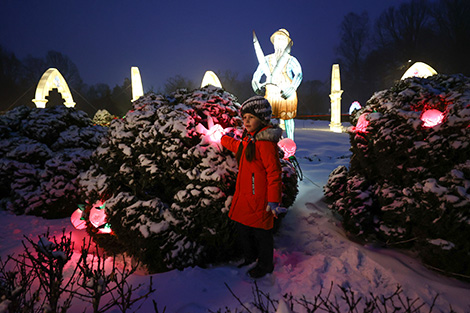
x=210, y=78
x=136, y=81
x=52, y=79
x=419, y=69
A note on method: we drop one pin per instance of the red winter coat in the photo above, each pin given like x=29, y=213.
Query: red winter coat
x=258, y=181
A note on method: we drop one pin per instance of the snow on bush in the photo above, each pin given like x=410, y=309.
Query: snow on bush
x=41, y=153
x=408, y=184
x=167, y=184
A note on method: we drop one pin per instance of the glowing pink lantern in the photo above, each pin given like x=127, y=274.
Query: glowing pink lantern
x=215, y=131
x=432, y=117
x=98, y=214
x=288, y=146
x=362, y=124
x=105, y=230
x=77, y=219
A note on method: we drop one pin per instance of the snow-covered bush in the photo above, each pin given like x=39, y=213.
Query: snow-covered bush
x=41, y=153
x=167, y=182
x=408, y=184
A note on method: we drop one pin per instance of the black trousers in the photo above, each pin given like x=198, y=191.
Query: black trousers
x=256, y=243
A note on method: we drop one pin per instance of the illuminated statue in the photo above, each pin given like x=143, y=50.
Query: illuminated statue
x=283, y=75
x=52, y=79
x=335, y=99
x=137, y=87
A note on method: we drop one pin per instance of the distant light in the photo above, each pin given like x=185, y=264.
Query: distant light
x=419, y=69
x=210, y=78
x=432, y=117
x=354, y=106
x=288, y=146
x=136, y=81
x=52, y=79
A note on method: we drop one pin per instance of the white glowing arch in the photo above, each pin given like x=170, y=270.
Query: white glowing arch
x=210, y=78
x=136, y=81
x=419, y=69
x=52, y=79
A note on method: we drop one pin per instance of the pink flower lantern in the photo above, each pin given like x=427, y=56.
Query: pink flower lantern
x=288, y=146
x=98, y=214
x=362, y=124
x=432, y=117
x=77, y=219
x=213, y=133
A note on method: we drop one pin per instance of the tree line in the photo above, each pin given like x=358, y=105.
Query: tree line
x=372, y=56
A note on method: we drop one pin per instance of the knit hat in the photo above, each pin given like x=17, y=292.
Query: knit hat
x=259, y=107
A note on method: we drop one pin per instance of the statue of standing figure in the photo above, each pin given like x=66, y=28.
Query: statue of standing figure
x=283, y=76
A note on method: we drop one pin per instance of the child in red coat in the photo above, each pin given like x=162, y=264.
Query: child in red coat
x=258, y=193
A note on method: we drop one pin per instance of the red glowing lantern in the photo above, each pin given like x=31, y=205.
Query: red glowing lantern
x=288, y=146
x=362, y=124
x=77, y=219
x=98, y=214
x=432, y=117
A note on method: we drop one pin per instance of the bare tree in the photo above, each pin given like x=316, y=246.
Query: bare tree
x=453, y=26
x=178, y=82
x=402, y=29
x=354, y=39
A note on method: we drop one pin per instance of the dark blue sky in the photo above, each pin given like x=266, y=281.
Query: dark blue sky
x=104, y=38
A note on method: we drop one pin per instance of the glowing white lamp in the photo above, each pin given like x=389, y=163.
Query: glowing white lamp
x=210, y=78
x=354, y=106
x=335, y=99
x=432, y=117
x=136, y=81
x=419, y=69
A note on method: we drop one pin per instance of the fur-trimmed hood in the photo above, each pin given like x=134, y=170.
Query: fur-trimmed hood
x=270, y=133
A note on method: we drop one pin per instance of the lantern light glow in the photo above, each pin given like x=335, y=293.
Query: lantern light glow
x=288, y=146
x=77, y=219
x=432, y=117
x=354, y=106
x=98, y=214
x=362, y=124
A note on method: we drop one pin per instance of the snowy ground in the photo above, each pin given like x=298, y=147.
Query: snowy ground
x=311, y=250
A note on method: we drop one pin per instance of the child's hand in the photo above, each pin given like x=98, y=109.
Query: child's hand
x=275, y=208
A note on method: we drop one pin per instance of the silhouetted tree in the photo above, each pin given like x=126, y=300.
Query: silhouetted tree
x=10, y=79
x=178, y=82
x=352, y=52
x=451, y=20
x=121, y=97
x=313, y=97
